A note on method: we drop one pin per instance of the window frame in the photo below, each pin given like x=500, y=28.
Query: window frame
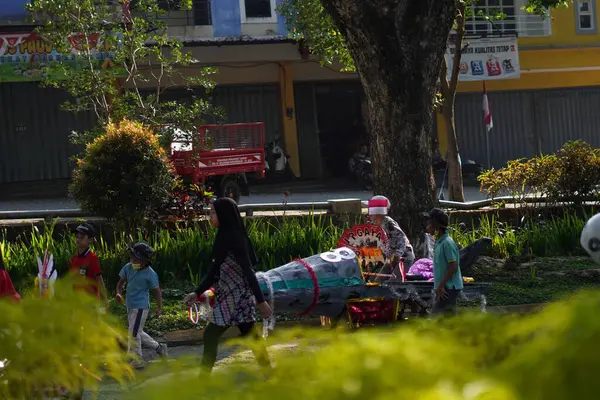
x=205, y=12
x=259, y=20
x=593, y=29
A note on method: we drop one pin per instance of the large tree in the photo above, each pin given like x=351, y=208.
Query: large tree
x=397, y=48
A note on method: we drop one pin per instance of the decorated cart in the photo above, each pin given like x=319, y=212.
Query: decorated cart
x=411, y=289
x=347, y=284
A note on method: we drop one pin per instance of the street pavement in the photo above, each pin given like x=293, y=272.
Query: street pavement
x=189, y=357
x=471, y=194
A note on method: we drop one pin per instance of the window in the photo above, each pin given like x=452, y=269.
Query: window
x=258, y=10
x=586, y=16
x=477, y=24
x=514, y=20
x=202, y=14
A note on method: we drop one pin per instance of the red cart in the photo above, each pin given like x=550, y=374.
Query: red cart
x=222, y=156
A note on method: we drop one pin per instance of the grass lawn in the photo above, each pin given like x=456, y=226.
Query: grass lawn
x=538, y=281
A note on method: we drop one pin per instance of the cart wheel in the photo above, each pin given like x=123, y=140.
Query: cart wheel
x=230, y=188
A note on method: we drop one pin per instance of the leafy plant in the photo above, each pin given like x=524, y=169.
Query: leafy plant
x=570, y=175
x=556, y=236
x=124, y=175
x=186, y=203
x=550, y=355
x=194, y=277
x=577, y=172
x=54, y=345
x=124, y=62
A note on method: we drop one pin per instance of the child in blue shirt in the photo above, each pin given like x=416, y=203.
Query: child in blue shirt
x=447, y=278
x=139, y=279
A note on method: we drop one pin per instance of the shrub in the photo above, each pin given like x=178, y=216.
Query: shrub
x=549, y=356
x=56, y=344
x=124, y=175
x=577, y=169
x=570, y=175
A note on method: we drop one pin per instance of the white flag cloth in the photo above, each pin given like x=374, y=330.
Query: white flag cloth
x=487, y=115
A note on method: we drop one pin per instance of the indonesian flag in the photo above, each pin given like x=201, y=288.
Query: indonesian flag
x=487, y=115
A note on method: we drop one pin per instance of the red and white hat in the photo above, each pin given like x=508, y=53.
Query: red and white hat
x=379, y=205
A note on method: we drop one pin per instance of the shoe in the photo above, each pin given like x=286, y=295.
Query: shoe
x=138, y=364
x=162, y=351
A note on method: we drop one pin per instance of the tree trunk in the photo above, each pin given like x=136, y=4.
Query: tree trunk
x=448, y=89
x=397, y=47
x=455, y=180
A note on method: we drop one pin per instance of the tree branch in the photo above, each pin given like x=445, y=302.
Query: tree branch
x=444, y=86
x=458, y=49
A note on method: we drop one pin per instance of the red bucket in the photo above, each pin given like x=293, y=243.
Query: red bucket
x=372, y=311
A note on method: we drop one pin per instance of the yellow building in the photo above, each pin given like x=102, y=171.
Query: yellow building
x=557, y=96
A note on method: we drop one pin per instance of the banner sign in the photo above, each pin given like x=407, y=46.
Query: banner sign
x=486, y=59
x=24, y=57
x=360, y=237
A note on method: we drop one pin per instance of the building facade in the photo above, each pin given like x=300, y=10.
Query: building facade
x=263, y=76
x=554, y=100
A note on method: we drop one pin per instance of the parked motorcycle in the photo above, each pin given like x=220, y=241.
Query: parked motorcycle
x=276, y=160
x=362, y=171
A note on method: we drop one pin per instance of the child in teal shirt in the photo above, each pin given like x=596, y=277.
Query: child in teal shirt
x=447, y=278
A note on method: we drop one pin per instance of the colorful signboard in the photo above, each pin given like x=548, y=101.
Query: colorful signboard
x=487, y=59
x=25, y=56
x=364, y=236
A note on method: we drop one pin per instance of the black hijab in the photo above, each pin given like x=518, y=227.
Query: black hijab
x=231, y=236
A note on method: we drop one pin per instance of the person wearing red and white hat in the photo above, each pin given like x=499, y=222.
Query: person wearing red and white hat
x=399, y=246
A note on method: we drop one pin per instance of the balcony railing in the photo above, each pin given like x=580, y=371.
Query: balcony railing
x=522, y=25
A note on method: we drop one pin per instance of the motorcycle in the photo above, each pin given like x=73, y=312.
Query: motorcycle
x=362, y=172
x=276, y=159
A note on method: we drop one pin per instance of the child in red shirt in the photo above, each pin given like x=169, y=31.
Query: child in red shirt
x=7, y=290
x=85, y=264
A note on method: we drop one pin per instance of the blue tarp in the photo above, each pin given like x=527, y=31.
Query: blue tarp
x=13, y=9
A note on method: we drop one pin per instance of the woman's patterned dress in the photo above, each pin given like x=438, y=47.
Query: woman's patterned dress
x=234, y=301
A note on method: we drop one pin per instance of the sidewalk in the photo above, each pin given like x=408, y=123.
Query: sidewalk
x=304, y=186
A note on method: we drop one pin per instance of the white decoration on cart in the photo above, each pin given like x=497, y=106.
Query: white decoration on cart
x=268, y=323
x=330, y=256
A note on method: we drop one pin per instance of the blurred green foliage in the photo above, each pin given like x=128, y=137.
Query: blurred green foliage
x=58, y=343
x=547, y=356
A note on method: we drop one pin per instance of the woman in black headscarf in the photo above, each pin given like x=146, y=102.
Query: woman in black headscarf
x=237, y=290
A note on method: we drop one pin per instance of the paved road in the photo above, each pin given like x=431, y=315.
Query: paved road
x=190, y=357
x=471, y=194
